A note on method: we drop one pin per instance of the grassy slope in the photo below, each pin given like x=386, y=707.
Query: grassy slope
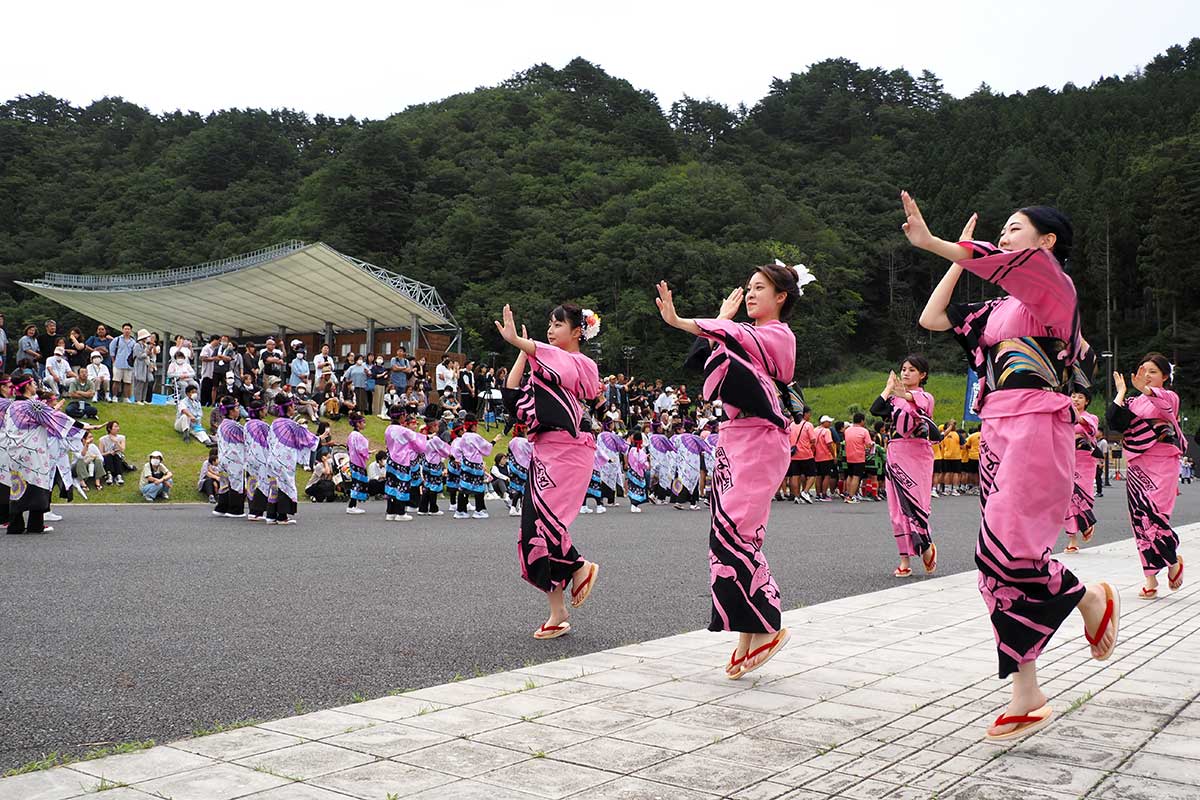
x=149, y=427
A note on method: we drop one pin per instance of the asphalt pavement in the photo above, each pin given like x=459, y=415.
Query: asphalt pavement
x=146, y=622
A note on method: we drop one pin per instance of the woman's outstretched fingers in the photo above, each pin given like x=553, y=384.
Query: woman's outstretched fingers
x=968, y=231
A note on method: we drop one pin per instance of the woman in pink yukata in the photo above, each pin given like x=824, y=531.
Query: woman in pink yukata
x=551, y=403
x=1081, y=518
x=1153, y=443
x=909, y=469
x=1026, y=346
x=747, y=369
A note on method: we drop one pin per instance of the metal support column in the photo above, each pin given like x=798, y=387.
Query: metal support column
x=329, y=335
x=414, y=336
x=370, y=347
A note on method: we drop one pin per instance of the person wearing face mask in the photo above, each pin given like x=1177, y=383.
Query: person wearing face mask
x=180, y=371
x=1153, y=444
x=379, y=381
x=189, y=419
x=1027, y=443
x=357, y=376
x=306, y=407
x=156, y=480
x=299, y=368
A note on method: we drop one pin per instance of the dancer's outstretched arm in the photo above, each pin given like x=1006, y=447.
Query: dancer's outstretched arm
x=666, y=307
x=933, y=317
x=508, y=330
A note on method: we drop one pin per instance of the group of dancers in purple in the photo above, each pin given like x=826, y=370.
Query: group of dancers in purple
x=1036, y=451
x=1035, y=466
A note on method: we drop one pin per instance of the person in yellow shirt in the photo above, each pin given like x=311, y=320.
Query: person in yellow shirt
x=938, y=464
x=951, y=459
x=971, y=456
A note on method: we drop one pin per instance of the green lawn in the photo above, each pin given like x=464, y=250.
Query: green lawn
x=148, y=428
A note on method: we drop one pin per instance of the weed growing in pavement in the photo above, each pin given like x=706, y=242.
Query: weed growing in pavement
x=106, y=784
x=1078, y=702
x=540, y=754
x=529, y=684
x=358, y=697
x=423, y=711
x=298, y=707
x=57, y=759
x=399, y=691
x=284, y=776
x=393, y=796
x=221, y=727
x=457, y=677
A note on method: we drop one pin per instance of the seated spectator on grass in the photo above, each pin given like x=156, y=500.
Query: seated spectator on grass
x=189, y=417
x=377, y=475
x=499, y=474
x=347, y=397
x=80, y=390
x=450, y=403
x=100, y=343
x=321, y=487
x=156, y=479
x=89, y=466
x=392, y=397
x=210, y=477
x=58, y=372
x=99, y=374
x=112, y=450
x=306, y=407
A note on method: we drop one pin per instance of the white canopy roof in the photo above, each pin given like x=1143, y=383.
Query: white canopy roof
x=296, y=286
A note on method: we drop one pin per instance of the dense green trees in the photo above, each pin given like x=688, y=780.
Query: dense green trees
x=572, y=183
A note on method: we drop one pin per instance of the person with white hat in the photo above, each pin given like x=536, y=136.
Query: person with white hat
x=58, y=371
x=156, y=480
x=143, y=372
x=99, y=374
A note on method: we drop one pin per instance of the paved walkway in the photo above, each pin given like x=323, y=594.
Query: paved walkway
x=879, y=695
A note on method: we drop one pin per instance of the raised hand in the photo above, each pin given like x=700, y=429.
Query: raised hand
x=666, y=304
x=914, y=227
x=1139, y=383
x=968, y=231
x=731, y=304
x=892, y=383
x=508, y=329
x=1119, y=382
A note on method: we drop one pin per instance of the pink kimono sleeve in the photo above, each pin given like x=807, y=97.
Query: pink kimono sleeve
x=1032, y=276
x=557, y=367
x=772, y=345
x=1159, y=404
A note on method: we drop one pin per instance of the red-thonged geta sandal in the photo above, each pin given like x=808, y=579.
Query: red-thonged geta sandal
x=552, y=631
x=770, y=648
x=1177, y=581
x=929, y=559
x=1026, y=724
x=1112, y=616
x=582, y=591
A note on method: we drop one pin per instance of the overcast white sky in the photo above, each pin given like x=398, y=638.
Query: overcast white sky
x=372, y=59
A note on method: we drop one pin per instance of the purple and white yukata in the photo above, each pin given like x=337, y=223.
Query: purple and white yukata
x=472, y=477
x=909, y=468
x=5, y=462
x=231, y=465
x=292, y=444
x=1153, y=443
x=748, y=370
x=1080, y=514
x=1029, y=352
x=37, y=438
x=552, y=404
x=260, y=483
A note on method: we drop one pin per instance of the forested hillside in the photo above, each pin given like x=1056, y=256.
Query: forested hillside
x=572, y=183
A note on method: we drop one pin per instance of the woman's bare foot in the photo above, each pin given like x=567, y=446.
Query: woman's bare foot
x=1072, y=543
x=757, y=640
x=738, y=659
x=1092, y=608
x=905, y=563
x=1022, y=704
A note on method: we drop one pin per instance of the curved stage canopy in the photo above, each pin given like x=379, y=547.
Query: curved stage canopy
x=291, y=286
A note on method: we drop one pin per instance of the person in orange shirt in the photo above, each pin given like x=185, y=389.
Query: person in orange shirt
x=826, y=461
x=951, y=459
x=802, y=471
x=971, y=454
x=858, y=444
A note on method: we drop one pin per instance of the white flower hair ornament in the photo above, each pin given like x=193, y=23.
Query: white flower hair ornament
x=591, y=324
x=1172, y=378
x=804, y=275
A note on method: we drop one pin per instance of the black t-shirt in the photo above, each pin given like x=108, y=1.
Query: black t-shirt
x=46, y=344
